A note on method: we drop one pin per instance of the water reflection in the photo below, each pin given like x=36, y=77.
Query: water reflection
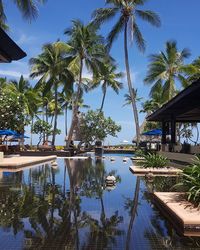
x=70, y=207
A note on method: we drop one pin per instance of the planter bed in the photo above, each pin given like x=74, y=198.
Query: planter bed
x=155, y=171
x=182, y=214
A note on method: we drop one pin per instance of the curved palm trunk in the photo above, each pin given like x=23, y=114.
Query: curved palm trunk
x=55, y=114
x=103, y=100
x=133, y=99
x=75, y=106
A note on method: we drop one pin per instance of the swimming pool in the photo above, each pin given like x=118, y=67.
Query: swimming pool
x=71, y=207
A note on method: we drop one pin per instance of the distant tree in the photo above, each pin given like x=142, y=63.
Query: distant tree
x=41, y=127
x=95, y=126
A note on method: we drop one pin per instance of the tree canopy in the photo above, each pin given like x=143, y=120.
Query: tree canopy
x=95, y=126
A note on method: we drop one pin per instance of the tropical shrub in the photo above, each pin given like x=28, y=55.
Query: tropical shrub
x=95, y=126
x=139, y=153
x=154, y=161
x=41, y=127
x=12, y=111
x=190, y=181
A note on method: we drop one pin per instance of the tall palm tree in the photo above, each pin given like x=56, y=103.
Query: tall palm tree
x=108, y=77
x=128, y=12
x=166, y=67
x=28, y=8
x=51, y=66
x=86, y=50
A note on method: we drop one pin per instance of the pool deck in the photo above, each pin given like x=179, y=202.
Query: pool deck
x=45, y=153
x=182, y=214
x=24, y=161
x=155, y=171
x=77, y=157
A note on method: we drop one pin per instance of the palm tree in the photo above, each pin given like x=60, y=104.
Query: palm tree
x=127, y=98
x=108, y=77
x=86, y=50
x=28, y=8
x=51, y=66
x=128, y=12
x=167, y=67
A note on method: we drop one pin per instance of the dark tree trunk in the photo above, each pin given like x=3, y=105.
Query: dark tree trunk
x=66, y=109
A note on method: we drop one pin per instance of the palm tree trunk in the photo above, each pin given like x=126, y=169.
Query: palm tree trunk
x=43, y=108
x=66, y=109
x=55, y=114
x=132, y=95
x=75, y=107
x=47, y=120
x=103, y=100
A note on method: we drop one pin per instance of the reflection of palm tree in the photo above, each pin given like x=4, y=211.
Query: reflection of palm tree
x=103, y=231
x=76, y=174
x=133, y=210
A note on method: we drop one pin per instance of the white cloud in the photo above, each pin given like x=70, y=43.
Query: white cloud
x=24, y=39
x=13, y=73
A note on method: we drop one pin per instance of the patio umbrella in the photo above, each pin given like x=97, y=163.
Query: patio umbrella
x=154, y=132
x=20, y=136
x=7, y=132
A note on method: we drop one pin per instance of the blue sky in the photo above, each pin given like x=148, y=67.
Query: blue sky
x=180, y=21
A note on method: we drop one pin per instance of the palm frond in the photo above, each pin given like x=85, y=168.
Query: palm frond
x=149, y=16
x=138, y=37
x=114, y=33
x=102, y=15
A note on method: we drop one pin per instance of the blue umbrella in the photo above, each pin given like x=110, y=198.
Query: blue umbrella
x=7, y=132
x=20, y=136
x=154, y=132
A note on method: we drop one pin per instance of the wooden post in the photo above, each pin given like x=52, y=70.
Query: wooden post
x=164, y=132
x=163, y=139
x=173, y=134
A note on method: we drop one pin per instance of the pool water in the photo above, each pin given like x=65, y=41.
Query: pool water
x=71, y=207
